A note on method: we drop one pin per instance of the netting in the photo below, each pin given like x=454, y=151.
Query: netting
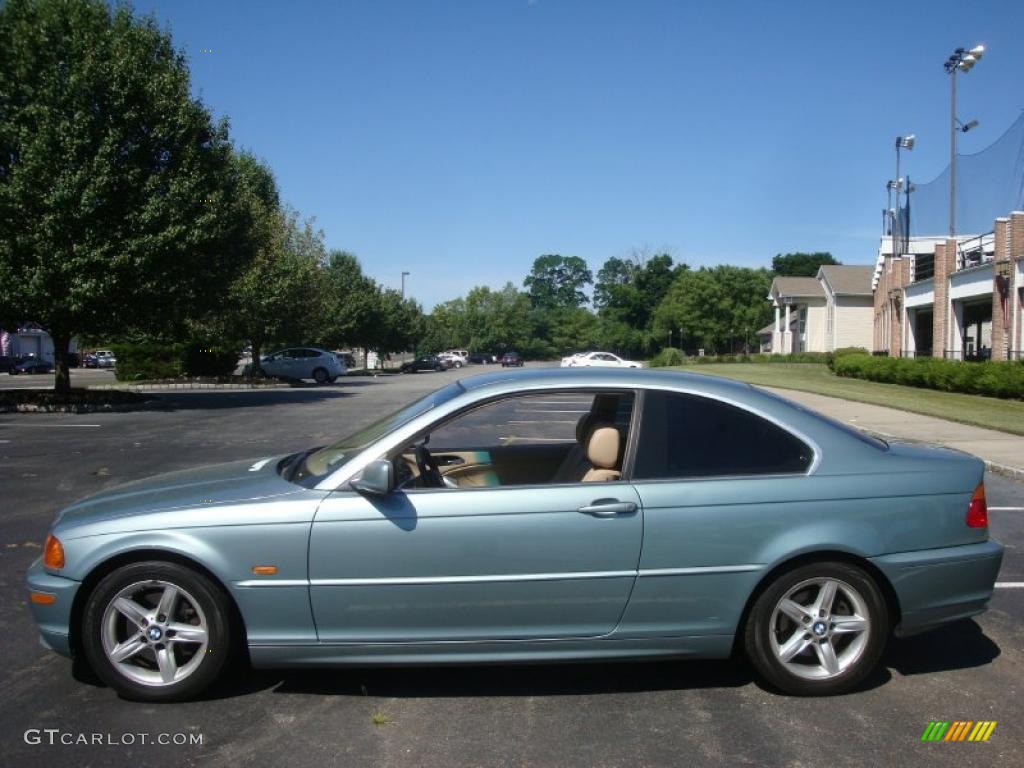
x=989, y=184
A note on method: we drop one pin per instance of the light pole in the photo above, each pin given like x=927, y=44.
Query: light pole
x=404, y=275
x=960, y=60
x=902, y=142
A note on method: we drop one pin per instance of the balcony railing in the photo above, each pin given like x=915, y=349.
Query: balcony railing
x=917, y=353
x=1015, y=354
x=953, y=354
x=976, y=251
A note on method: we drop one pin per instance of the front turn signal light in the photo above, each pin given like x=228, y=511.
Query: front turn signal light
x=53, y=553
x=977, y=511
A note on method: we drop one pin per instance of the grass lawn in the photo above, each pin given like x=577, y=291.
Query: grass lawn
x=989, y=412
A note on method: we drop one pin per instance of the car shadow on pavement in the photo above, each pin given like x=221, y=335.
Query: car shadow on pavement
x=961, y=645
x=508, y=680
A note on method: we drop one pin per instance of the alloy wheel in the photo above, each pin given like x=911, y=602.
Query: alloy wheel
x=154, y=633
x=820, y=628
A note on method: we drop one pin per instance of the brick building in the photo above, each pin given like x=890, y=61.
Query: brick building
x=959, y=298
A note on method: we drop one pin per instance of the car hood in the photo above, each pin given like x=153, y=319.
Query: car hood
x=206, y=486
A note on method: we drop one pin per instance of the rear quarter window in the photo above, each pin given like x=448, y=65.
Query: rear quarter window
x=685, y=436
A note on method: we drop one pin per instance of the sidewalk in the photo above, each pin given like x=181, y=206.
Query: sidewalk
x=1001, y=451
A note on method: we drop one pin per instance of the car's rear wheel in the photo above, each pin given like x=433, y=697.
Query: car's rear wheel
x=320, y=375
x=156, y=631
x=817, y=630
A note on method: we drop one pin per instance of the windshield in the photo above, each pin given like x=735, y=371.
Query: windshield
x=320, y=463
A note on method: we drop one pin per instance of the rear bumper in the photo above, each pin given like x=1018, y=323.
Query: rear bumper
x=54, y=620
x=937, y=586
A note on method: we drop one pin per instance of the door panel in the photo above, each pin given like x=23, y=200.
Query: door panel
x=482, y=564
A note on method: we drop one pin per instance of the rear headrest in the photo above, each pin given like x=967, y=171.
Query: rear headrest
x=603, y=446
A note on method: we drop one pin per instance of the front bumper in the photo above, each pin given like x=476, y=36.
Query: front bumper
x=937, y=586
x=54, y=620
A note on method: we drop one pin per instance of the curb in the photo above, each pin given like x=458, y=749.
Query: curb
x=184, y=386
x=147, y=405
x=1013, y=473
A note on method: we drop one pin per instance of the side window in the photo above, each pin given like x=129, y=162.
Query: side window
x=690, y=436
x=533, y=439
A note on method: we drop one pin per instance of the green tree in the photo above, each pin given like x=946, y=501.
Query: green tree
x=484, y=320
x=558, y=282
x=281, y=295
x=401, y=324
x=352, y=303
x=444, y=327
x=117, y=194
x=715, y=308
x=800, y=264
x=497, y=320
x=626, y=293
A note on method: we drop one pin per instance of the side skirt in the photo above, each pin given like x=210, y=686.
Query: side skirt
x=494, y=652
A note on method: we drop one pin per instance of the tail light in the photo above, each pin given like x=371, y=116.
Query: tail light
x=53, y=553
x=977, y=511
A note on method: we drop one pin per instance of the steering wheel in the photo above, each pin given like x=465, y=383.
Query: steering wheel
x=430, y=474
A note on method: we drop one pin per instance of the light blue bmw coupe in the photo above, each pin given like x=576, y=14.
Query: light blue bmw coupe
x=533, y=516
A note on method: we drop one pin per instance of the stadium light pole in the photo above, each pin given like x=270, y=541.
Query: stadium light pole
x=961, y=60
x=902, y=142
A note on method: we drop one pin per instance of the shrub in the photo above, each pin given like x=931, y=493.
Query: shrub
x=137, y=362
x=845, y=352
x=210, y=359
x=668, y=356
x=1005, y=380
x=757, y=357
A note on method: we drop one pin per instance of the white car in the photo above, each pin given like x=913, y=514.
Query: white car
x=455, y=357
x=598, y=360
x=304, y=363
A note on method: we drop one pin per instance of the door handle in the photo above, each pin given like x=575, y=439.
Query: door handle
x=608, y=508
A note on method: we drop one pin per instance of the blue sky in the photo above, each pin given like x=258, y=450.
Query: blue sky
x=460, y=140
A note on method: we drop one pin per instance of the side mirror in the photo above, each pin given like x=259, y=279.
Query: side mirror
x=377, y=479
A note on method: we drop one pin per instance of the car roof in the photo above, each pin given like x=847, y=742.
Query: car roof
x=600, y=377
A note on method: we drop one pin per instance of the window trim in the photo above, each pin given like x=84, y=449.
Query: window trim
x=627, y=456
x=795, y=433
x=338, y=481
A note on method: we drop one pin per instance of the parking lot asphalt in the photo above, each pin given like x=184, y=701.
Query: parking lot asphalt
x=651, y=714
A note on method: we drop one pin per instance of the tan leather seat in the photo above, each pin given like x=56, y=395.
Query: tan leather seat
x=603, y=454
x=575, y=464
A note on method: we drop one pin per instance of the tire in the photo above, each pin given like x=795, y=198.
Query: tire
x=332, y=379
x=794, y=617
x=320, y=376
x=140, y=588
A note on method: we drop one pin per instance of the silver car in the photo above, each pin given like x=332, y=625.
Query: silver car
x=542, y=515
x=304, y=363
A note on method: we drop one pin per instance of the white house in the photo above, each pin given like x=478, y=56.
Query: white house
x=833, y=309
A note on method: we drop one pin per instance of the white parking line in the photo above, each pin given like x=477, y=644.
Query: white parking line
x=542, y=421
x=59, y=425
x=533, y=410
x=1010, y=585
x=1006, y=509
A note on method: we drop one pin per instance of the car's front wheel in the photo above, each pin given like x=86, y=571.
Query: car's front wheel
x=817, y=630
x=320, y=376
x=156, y=631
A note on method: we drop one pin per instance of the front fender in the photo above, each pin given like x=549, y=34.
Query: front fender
x=274, y=608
